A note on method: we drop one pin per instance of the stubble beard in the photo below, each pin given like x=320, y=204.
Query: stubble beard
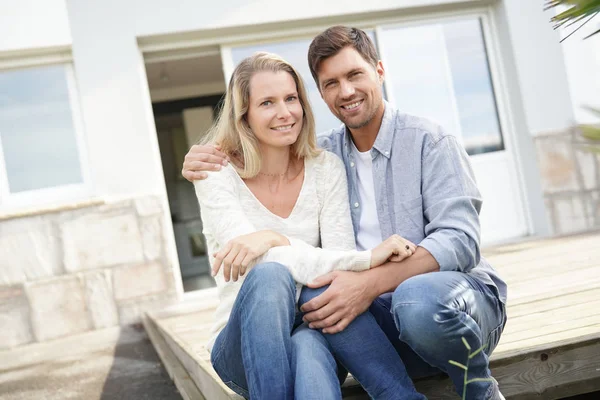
x=362, y=123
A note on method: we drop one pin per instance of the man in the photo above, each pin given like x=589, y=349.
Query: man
x=406, y=176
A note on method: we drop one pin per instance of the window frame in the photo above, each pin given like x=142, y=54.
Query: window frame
x=12, y=202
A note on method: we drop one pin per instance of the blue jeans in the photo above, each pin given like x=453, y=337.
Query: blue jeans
x=364, y=350
x=260, y=355
x=428, y=315
x=424, y=321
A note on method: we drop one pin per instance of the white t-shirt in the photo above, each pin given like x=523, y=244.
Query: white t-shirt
x=369, y=231
x=321, y=217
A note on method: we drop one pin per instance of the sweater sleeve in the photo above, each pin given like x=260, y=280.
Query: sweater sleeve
x=223, y=217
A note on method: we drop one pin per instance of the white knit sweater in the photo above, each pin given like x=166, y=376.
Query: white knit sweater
x=320, y=217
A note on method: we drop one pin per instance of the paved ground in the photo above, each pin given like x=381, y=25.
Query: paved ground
x=115, y=364
x=120, y=365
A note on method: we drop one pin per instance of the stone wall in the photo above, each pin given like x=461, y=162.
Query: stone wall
x=571, y=181
x=71, y=271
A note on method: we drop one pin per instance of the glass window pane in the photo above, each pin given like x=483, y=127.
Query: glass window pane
x=296, y=53
x=441, y=72
x=36, y=129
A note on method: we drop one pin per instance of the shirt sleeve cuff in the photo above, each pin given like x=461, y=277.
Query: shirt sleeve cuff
x=441, y=255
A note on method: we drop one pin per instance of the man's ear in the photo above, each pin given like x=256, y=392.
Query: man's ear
x=380, y=72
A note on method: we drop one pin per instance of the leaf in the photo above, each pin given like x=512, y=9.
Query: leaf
x=592, y=34
x=476, y=352
x=593, y=110
x=466, y=343
x=590, y=132
x=591, y=149
x=479, y=380
x=459, y=365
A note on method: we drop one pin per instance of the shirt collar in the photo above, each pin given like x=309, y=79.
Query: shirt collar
x=385, y=136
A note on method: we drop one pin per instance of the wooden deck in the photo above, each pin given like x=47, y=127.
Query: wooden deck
x=550, y=347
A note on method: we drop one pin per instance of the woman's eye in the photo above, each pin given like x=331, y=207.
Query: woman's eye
x=292, y=98
x=266, y=103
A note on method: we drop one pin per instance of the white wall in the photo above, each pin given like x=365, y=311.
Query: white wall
x=26, y=24
x=582, y=59
x=540, y=67
x=168, y=16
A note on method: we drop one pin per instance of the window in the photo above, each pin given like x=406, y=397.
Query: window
x=39, y=134
x=440, y=71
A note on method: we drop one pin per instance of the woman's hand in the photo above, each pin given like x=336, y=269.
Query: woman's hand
x=395, y=248
x=238, y=253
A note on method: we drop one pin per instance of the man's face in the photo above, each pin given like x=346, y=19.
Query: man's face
x=351, y=87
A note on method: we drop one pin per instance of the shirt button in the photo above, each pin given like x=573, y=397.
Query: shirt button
x=387, y=153
x=352, y=164
x=355, y=205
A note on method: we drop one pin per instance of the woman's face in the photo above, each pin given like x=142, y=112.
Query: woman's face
x=274, y=109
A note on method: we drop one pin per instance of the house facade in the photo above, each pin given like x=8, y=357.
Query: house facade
x=100, y=100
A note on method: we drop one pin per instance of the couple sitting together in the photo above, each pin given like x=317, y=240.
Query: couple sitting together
x=357, y=250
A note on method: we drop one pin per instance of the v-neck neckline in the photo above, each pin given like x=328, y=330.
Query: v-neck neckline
x=300, y=194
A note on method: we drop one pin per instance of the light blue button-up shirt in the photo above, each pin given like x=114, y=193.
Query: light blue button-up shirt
x=425, y=191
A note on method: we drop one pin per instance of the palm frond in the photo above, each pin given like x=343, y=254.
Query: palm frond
x=577, y=11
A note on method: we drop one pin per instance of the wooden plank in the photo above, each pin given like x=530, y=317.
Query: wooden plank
x=548, y=375
x=562, y=315
x=553, y=303
x=176, y=371
x=552, y=340
x=555, y=286
x=201, y=371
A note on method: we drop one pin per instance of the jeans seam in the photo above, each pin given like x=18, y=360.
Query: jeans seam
x=393, y=310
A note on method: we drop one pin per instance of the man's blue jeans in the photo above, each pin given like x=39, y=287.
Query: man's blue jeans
x=428, y=315
x=425, y=320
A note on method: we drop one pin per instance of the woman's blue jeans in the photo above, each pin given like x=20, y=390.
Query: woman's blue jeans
x=260, y=355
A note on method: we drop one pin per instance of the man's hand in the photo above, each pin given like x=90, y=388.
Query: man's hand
x=202, y=158
x=347, y=297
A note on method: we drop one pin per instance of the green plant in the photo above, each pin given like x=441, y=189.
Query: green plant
x=590, y=134
x=466, y=367
x=579, y=11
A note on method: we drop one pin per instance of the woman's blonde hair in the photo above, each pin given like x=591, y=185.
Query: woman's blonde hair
x=231, y=130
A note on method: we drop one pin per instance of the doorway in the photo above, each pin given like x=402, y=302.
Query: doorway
x=185, y=96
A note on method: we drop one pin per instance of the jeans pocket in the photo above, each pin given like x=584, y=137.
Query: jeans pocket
x=239, y=390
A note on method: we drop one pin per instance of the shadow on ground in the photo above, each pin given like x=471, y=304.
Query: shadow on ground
x=137, y=372
x=128, y=369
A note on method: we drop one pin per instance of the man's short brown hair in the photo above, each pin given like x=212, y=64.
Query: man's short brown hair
x=334, y=39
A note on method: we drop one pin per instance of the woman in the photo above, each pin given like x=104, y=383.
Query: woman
x=278, y=200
